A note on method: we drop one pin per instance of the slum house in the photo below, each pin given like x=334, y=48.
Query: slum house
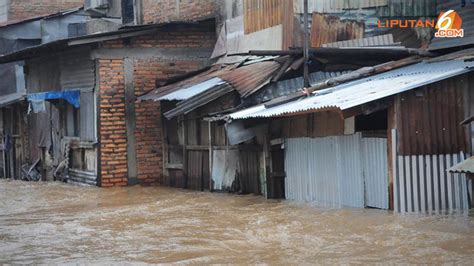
x=188, y=104
x=337, y=21
x=357, y=143
x=19, y=34
x=199, y=154
x=82, y=118
x=250, y=25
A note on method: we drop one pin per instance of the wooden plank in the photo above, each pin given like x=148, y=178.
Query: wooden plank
x=394, y=192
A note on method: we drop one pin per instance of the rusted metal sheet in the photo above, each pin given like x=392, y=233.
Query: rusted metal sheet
x=248, y=172
x=467, y=15
x=328, y=29
x=380, y=40
x=334, y=6
x=198, y=100
x=248, y=79
x=197, y=174
x=262, y=14
x=428, y=119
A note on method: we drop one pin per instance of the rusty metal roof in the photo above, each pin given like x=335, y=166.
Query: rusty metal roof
x=464, y=167
x=358, y=92
x=246, y=78
x=249, y=78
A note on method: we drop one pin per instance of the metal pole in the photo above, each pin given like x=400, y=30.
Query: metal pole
x=306, y=46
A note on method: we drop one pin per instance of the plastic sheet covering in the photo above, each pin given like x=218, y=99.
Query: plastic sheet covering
x=224, y=168
x=72, y=97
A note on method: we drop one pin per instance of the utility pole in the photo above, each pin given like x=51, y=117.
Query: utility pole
x=306, y=46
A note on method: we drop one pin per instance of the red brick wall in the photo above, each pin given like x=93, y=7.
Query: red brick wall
x=168, y=10
x=21, y=9
x=148, y=131
x=112, y=130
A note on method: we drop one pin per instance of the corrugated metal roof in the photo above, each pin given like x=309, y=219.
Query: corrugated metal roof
x=467, y=166
x=383, y=8
x=12, y=98
x=290, y=86
x=325, y=6
x=248, y=79
x=380, y=40
x=364, y=90
x=467, y=15
x=193, y=90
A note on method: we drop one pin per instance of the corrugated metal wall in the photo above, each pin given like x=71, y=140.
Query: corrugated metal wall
x=374, y=153
x=331, y=171
x=328, y=29
x=467, y=15
x=422, y=183
x=77, y=70
x=262, y=14
x=428, y=118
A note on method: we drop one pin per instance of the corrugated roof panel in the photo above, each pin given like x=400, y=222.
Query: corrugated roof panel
x=467, y=15
x=467, y=166
x=365, y=90
x=247, y=79
x=188, y=92
x=334, y=6
x=380, y=40
x=289, y=86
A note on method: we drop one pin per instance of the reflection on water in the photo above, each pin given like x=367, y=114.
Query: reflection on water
x=58, y=223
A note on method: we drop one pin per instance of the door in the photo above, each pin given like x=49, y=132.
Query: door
x=374, y=163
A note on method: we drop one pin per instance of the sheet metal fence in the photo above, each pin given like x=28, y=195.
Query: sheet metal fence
x=337, y=171
x=423, y=184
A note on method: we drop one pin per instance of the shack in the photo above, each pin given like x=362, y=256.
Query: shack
x=82, y=122
x=373, y=142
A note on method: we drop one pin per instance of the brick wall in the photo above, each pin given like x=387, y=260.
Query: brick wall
x=21, y=9
x=147, y=72
x=173, y=10
x=148, y=133
x=112, y=130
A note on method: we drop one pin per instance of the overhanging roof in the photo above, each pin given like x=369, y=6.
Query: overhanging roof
x=59, y=45
x=12, y=98
x=364, y=90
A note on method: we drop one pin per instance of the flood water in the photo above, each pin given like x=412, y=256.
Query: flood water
x=60, y=223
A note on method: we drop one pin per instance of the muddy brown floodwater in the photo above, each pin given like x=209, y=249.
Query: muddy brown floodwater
x=59, y=223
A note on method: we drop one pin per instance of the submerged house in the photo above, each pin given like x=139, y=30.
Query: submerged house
x=81, y=123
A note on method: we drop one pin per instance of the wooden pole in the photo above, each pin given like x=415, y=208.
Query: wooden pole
x=306, y=46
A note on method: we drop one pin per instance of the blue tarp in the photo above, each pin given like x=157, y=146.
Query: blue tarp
x=72, y=97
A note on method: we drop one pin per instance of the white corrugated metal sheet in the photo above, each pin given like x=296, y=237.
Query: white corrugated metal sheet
x=423, y=184
x=331, y=171
x=188, y=92
x=365, y=90
x=466, y=166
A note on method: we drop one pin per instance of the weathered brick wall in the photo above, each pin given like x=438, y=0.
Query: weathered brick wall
x=148, y=132
x=21, y=9
x=146, y=74
x=112, y=130
x=173, y=10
